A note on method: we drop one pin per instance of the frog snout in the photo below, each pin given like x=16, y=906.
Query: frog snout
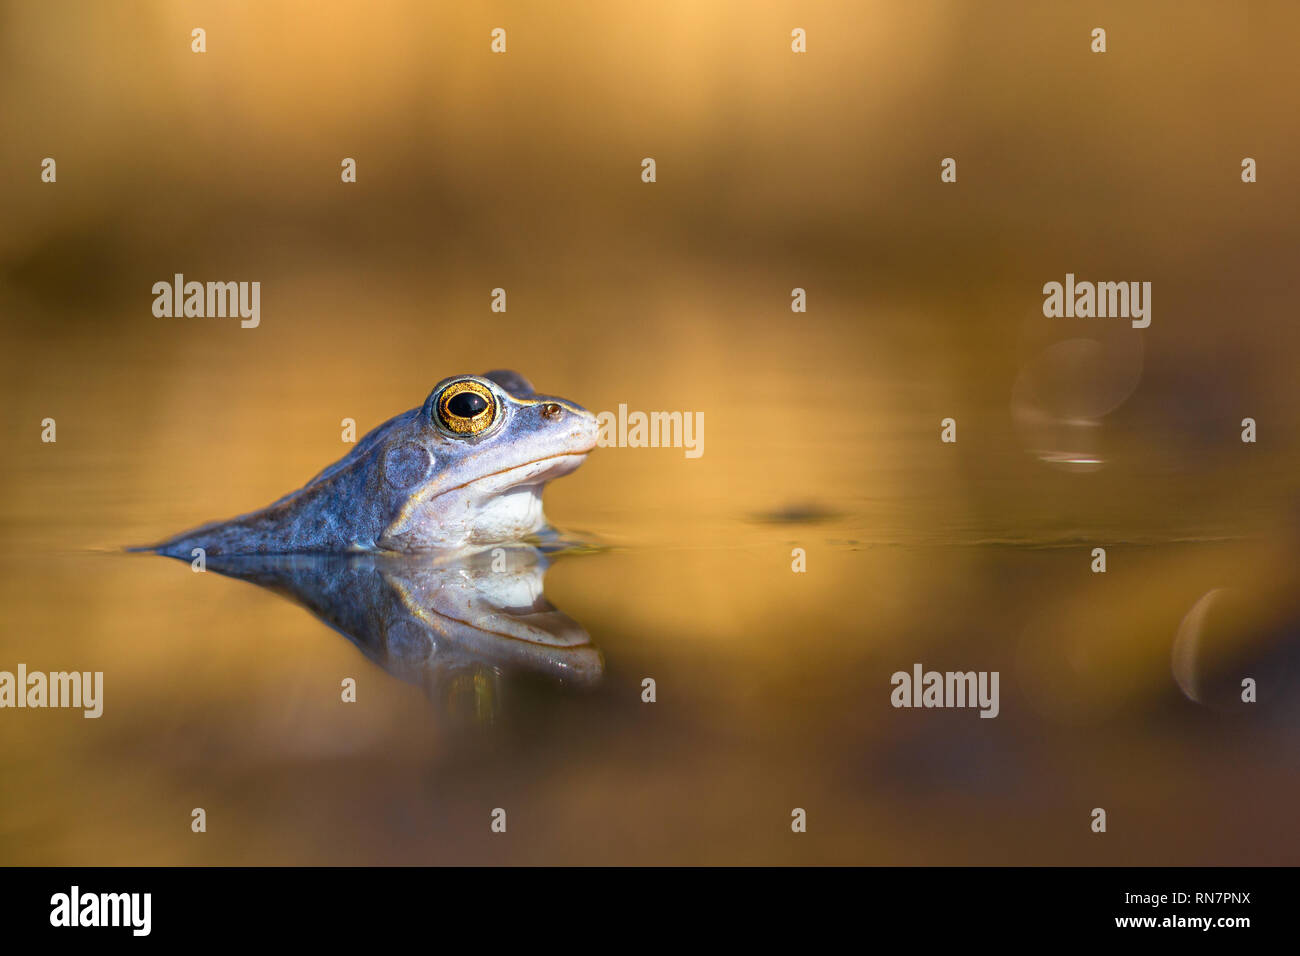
x=579, y=422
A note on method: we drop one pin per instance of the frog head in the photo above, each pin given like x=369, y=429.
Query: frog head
x=469, y=466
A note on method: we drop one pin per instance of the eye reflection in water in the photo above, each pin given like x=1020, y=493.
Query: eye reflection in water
x=455, y=625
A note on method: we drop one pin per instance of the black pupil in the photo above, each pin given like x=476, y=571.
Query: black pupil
x=466, y=404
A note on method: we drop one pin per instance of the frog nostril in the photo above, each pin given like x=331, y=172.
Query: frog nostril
x=552, y=411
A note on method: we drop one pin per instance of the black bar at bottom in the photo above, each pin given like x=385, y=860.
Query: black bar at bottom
x=330, y=905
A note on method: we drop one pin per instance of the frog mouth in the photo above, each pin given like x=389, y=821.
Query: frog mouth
x=526, y=474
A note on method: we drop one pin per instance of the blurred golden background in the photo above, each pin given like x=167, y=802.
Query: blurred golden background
x=775, y=170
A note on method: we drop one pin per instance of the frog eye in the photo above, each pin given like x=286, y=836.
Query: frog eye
x=467, y=407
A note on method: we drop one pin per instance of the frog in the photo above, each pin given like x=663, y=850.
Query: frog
x=465, y=469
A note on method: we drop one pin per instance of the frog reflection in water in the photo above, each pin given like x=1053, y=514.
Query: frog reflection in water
x=465, y=469
x=454, y=624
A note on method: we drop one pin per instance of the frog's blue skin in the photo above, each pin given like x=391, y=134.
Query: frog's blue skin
x=411, y=485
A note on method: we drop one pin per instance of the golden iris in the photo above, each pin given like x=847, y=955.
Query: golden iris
x=466, y=408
